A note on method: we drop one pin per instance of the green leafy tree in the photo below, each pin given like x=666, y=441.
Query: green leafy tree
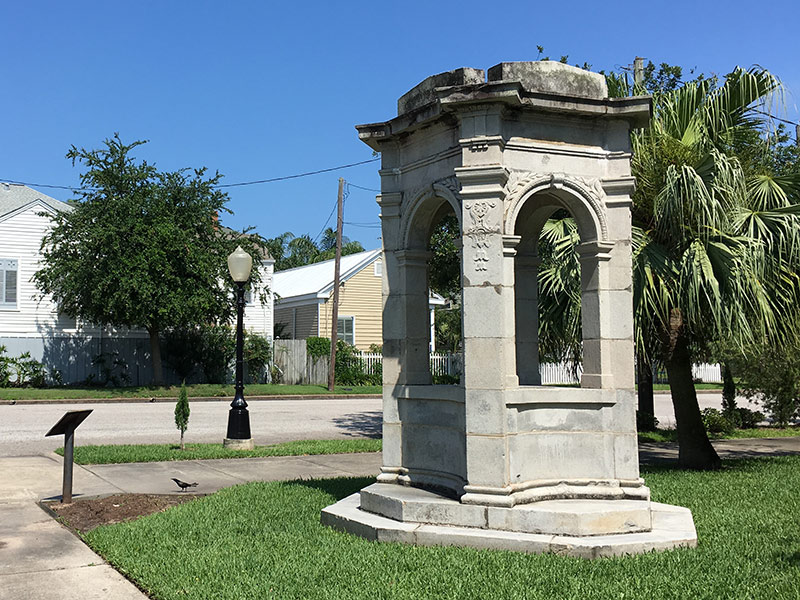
x=445, y=262
x=770, y=373
x=141, y=248
x=182, y=412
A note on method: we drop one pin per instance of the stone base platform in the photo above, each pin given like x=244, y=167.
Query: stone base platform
x=568, y=527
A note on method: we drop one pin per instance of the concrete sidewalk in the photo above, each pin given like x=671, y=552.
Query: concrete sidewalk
x=41, y=559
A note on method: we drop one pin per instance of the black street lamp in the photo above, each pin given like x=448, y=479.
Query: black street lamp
x=240, y=263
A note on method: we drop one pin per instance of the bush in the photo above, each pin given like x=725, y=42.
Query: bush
x=715, y=422
x=257, y=355
x=5, y=368
x=113, y=370
x=22, y=371
x=317, y=347
x=180, y=348
x=748, y=419
x=217, y=352
x=646, y=422
x=446, y=379
x=772, y=375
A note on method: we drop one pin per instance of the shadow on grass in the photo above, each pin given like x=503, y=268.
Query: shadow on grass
x=339, y=487
x=365, y=424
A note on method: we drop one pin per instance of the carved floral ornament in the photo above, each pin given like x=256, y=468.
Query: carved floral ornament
x=479, y=230
x=521, y=185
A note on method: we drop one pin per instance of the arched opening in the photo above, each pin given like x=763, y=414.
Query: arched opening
x=430, y=269
x=555, y=288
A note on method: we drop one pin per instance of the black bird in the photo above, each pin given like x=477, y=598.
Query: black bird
x=183, y=485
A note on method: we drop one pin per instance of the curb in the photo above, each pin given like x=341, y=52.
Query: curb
x=271, y=397
x=29, y=401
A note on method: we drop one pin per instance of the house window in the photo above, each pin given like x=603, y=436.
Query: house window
x=377, y=268
x=8, y=282
x=248, y=296
x=345, y=330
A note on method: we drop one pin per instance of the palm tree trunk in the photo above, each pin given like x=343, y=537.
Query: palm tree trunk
x=155, y=356
x=646, y=419
x=695, y=450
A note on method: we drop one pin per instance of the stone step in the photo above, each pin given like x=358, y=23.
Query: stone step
x=554, y=517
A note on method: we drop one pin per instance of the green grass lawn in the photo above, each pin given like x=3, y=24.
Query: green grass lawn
x=134, y=453
x=203, y=390
x=264, y=540
x=671, y=435
x=112, y=454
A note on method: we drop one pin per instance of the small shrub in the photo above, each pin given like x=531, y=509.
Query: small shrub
x=715, y=422
x=113, y=369
x=217, y=351
x=275, y=373
x=5, y=368
x=22, y=371
x=180, y=348
x=349, y=366
x=257, y=354
x=317, y=347
x=749, y=419
x=772, y=375
x=182, y=412
x=446, y=379
x=646, y=422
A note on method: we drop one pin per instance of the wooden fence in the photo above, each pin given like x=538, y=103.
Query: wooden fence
x=296, y=367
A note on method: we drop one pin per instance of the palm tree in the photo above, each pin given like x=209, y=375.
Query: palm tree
x=716, y=248
x=715, y=251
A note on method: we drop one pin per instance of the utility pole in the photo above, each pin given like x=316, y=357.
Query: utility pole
x=336, y=263
x=638, y=71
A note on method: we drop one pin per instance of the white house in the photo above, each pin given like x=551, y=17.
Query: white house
x=30, y=324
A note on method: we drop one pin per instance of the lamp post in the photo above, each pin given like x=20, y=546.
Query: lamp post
x=240, y=263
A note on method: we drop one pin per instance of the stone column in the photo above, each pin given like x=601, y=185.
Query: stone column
x=393, y=332
x=527, y=318
x=488, y=327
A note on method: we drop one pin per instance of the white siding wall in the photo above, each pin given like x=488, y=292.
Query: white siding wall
x=257, y=317
x=20, y=238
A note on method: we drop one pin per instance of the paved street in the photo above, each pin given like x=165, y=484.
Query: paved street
x=22, y=426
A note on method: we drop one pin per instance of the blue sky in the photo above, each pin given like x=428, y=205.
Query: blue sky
x=258, y=90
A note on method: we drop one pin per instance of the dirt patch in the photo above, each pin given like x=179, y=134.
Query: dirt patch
x=85, y=514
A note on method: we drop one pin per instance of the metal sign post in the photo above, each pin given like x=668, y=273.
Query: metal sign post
x=66, y=426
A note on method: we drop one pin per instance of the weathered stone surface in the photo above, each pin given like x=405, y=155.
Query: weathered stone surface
x=423, y=93
x=503, y=155
x=552, y=77
x=233, y=444
x=672, y=527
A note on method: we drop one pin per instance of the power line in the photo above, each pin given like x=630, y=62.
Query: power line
x=365, y=225
x=44, y=185
x=366, y=189
x=224, y=185
x=775, y=118
x=284, y=178
x=326, y=222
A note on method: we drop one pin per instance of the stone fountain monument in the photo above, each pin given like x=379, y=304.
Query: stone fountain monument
x=501, y=461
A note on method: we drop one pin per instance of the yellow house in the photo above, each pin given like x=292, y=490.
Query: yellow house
x=304, y=300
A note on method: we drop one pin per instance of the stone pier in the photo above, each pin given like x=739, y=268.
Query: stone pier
x=501, y=461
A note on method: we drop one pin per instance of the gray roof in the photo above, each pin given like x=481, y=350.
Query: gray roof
x=14, y=196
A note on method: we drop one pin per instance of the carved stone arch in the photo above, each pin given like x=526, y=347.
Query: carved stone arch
x=581, y=196
x=419, y=199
